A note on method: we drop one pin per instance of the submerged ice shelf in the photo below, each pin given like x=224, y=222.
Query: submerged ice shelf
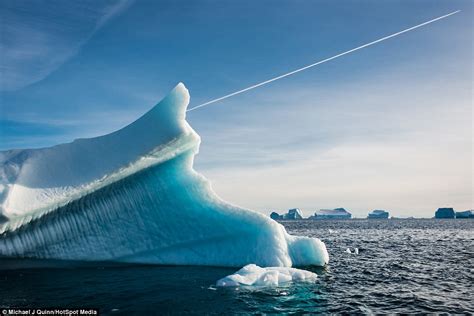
x=133, y=196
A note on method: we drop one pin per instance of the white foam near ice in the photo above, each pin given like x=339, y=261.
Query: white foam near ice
x=133, y=196
x=253, y=275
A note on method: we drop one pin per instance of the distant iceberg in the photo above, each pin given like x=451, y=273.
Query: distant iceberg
x=337, y=213
x=378, y=214
x=294, y=213
x=132, y=196
x=276, y=216
x=465, y=214
x=253, y=275
x=445, y=212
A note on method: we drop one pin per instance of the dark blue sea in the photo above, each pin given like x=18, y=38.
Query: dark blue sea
x=403, y=266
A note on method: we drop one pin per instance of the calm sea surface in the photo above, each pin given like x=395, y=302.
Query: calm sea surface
x=403, y=266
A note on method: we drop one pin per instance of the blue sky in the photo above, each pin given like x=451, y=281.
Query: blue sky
x=387, y=127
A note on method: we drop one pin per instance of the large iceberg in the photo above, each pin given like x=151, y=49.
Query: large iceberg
x=133, y=196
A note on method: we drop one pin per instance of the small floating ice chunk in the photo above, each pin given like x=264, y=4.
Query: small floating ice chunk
x=355, y=251
x=253, y=275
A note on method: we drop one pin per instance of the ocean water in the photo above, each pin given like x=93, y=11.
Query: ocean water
x=403, y=266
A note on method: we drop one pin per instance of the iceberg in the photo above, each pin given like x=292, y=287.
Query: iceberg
x=465, y=214
x=293, y=214
x=276, y=216
x=378, y=214
x=253, y=275
x=337, y=213
x=445, y=212
x=132, y=196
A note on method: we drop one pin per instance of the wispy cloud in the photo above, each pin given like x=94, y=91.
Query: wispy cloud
x=37, y=37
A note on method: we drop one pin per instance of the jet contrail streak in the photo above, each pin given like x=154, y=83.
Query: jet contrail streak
x=321, y=61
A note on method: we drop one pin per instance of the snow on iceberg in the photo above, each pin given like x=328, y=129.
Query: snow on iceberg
x=133, y=196
x=253, y=275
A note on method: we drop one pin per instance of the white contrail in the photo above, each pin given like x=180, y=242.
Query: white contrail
x=321, y=61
